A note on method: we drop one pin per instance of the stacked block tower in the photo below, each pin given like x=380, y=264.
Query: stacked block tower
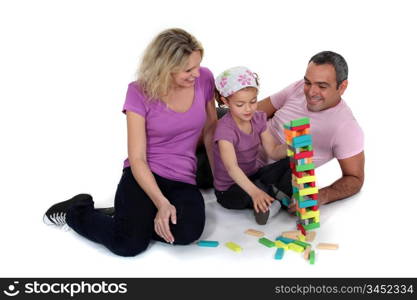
x=305, y=192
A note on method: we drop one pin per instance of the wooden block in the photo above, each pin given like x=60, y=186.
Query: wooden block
x=279, y=254
x=268, y=243
x=305, y=167
x=301, y=228
x=304, y=154
x=307, y=252
x=312, y=257
x=281, y=244
x=255, y=232
x=327, y=246
x=301, y=237
x=234, y=247
x=310, y=236
x=295, y=247
x=309, y=191
x=301, y=127
x=299, y=122
x=284, y=239
x=208, y=243
x=312, y=226
x=307, y=203
x=305, y=179
x=291, y=234
x=302, y=244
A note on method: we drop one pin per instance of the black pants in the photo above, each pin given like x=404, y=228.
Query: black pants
x=277, y=174
x=129, y=232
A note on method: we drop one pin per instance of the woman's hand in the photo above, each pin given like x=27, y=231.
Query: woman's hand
x=166, y=213
x=261, y=200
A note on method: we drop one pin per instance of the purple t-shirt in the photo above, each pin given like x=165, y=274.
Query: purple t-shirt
x=171, y=137
x=246, y=147
x=335, y=131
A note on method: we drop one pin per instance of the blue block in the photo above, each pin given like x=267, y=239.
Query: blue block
x=302, y=139
x=279, y=254
x=208, y=243
x=301, y=144
x=294, y=190
x=308, y=203
x=284, y=239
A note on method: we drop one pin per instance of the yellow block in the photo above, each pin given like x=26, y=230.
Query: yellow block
x=289, y=152
x=301, y=237
x=309, y=191
x=311, y=214
x=295, y=247
x=281, y=244
x=306, y=179
x=234, y=247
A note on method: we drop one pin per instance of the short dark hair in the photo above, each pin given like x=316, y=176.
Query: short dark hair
x=334, y=59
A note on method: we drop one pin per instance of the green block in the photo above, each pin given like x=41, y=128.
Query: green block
x=312, y=226
x=312, y=257
x=287, y=126
x=305, y=167
x=301, y=243
x=264, y=241
x=299, y=122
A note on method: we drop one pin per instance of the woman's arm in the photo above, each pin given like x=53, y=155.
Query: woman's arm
x=136, y=139
x=209, y=129
x=273, y=150
x=261, y=200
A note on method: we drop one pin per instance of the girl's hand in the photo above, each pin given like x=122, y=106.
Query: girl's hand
x=261, y=201
x=166, y=213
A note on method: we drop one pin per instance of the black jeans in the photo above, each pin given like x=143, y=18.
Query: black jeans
x=129, y=232
x=277, y=174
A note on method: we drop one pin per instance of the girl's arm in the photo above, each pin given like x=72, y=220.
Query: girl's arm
x=273, y=150
x=261, y=200
x=136, y=139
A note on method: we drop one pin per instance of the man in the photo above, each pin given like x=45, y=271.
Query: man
x=335, y=131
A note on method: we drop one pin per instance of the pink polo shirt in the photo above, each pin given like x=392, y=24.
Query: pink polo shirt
x=335, y=131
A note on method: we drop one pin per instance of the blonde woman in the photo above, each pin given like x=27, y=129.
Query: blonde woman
x=168, y=109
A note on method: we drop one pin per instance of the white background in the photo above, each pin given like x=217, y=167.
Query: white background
x=64, y=70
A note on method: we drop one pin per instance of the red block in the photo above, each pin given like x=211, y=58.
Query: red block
x=298, y=174
x=303, y=154
x=314, y=197
x=301, y=228
x=315, y=207
x=301, y=127
x=310, y=172
x=312, y=184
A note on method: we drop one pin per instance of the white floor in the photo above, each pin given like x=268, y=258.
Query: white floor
x=373, y=236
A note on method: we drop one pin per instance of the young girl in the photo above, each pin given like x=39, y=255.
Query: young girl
x=167, y=108
x=240, y=181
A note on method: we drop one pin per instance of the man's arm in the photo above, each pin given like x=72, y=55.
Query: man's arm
x=266, y=106
x=353, y=175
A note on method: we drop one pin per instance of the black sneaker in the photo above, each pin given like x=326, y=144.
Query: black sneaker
x=261, y=217
x=56, y=214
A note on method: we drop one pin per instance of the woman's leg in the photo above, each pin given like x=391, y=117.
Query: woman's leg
x=189, y=205
x=127, y=233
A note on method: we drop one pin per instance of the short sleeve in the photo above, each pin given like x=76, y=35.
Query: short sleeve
x=349, y=140
x=135, y=100
x=260, y=119
x=207, y=83
x=278, y=99
x=225, y=132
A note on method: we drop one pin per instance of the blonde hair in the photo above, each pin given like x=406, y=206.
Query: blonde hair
x=166, y=54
